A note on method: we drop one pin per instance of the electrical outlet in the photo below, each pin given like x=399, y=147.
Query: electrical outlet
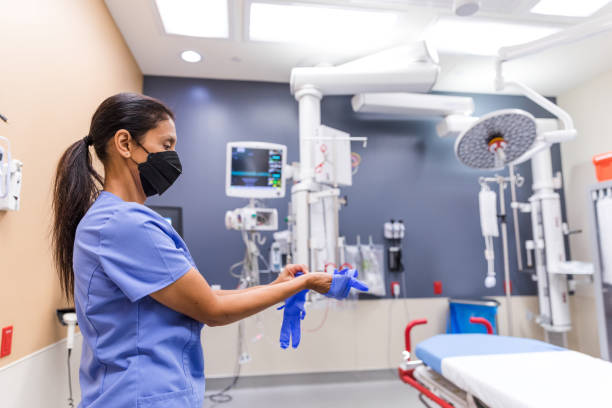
x=395, y=289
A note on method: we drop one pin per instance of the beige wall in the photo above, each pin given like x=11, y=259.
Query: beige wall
x=590, y=105
x=58, y=60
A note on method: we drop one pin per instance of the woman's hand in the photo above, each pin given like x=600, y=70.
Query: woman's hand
x=319, y=282
x=289, y=272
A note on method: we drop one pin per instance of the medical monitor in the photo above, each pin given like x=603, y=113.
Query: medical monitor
x=255, y=170
x=173, y=215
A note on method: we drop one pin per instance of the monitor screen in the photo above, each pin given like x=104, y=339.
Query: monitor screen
x=173, y=215
x=256, y=170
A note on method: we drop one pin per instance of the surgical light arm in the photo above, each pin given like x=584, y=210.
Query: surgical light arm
x=572, y=34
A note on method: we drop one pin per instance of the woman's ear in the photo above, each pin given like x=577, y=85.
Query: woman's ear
x=121, y=142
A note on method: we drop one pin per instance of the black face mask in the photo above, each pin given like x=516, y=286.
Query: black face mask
x=159, y=171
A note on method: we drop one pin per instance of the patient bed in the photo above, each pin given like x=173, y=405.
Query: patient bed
x=475, y=370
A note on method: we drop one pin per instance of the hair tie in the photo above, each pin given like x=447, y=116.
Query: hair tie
x=87, y=140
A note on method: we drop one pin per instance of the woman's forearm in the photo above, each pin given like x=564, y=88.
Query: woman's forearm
x=238, y=305
x=192, y=296
x=222, y=292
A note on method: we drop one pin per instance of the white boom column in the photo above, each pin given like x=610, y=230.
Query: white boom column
x=550, y=246
x=409, y=68
x=309, y=105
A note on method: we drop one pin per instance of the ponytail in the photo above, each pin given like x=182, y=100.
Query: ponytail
x=77, y=184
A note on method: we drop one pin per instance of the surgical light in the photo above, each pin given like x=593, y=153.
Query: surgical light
x=321, y=25
x=482, y=37
x=569, y=8
x=194, y=18
x=496, y=139
x=191, y=56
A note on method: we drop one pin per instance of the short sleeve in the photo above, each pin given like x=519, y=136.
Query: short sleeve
x=138, y=255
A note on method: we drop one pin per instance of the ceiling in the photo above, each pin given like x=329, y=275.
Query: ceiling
x=551, y=72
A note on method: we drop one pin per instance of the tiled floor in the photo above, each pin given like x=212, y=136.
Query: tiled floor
x=379, y=394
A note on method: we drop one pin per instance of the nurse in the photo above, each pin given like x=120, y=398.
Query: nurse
x=140, y=301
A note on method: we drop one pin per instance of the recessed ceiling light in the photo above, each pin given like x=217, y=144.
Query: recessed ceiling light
x=481, y=37
x=321, y=25
x=194, y=18
x=191, y=56
x=570, y=8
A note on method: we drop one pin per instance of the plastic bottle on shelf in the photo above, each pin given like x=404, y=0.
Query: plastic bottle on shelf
x=388, y=229
x=396, y=230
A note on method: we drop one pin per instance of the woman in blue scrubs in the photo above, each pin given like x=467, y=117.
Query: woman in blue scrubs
x=140, y=301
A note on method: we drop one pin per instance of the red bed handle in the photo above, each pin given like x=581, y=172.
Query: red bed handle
x=407, y=377
x=409, y=327
x=484, y=322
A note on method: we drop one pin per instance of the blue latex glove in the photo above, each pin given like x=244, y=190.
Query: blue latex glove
x=343, y=281
x=292, y=316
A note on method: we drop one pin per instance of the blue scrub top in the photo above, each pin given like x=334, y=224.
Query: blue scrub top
x=136, y=351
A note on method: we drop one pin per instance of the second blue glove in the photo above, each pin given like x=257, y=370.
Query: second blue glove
x=292, y=317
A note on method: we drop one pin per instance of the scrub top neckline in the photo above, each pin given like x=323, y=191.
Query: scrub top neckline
x=106, y=192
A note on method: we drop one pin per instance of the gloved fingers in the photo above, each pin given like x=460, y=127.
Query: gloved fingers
x=340, y=287
x=336, y=286
x=343, y=281
x=296, y=332
x=346, y=289
x=285, y=332
x=342, y=284
x=359, y=285
x=350, y=276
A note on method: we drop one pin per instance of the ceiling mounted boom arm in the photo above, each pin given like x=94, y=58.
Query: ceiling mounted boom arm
x=572, y=34
x=569, y=35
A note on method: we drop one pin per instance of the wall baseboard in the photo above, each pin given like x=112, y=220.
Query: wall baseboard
x=260, y=381
x=40, y=379
x=32, y=355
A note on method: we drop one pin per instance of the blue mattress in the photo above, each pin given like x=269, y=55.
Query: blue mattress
x=433, y=350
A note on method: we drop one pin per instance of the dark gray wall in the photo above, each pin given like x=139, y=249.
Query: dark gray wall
x=407, y=173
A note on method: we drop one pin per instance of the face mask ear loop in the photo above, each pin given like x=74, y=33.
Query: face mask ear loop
x=143, y=148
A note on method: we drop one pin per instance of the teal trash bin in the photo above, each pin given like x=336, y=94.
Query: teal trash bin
x=461, y=310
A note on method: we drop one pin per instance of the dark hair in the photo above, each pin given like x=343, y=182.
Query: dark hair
x=77, y=184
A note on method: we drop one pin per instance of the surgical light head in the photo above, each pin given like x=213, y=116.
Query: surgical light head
x=497, y=139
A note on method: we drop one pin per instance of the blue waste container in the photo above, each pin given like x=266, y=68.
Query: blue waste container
x=461, y=310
